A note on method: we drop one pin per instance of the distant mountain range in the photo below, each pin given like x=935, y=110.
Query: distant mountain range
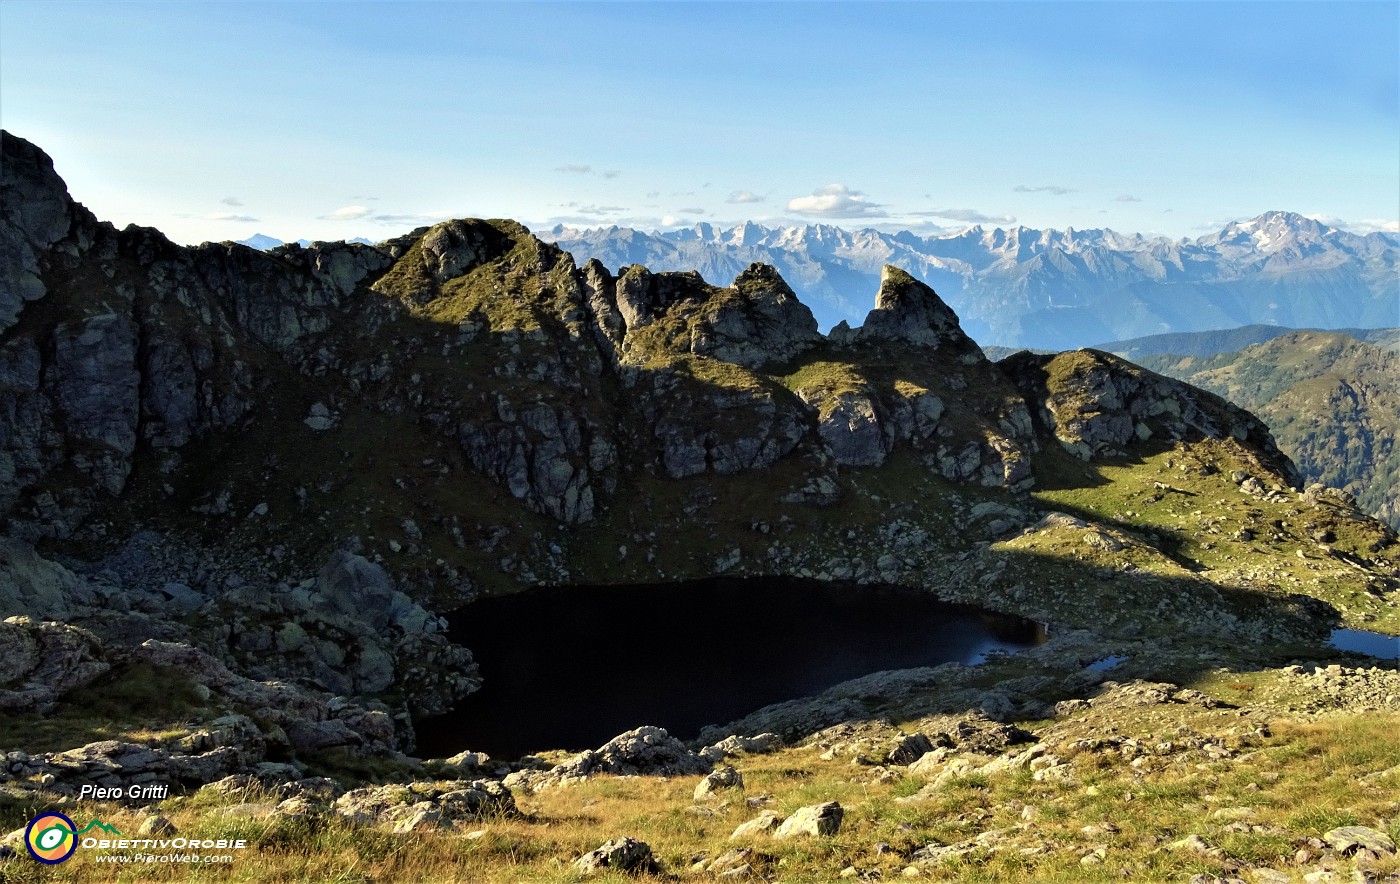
x=1050, y=288
x=1227, y=340
x=262, y=242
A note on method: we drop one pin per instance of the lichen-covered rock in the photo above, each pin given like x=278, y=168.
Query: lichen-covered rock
x=1349, y=839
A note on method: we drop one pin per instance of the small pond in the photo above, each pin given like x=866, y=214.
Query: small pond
x=1376, y=644
x=571, y=667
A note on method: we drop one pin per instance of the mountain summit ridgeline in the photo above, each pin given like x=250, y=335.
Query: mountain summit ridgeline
x=1050, y=288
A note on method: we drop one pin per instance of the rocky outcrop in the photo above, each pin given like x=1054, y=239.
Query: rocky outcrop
x=644, y=751
x=347, y=629
x=40, y=661
x=32, y=585
x=543, y=454
x=757, y=321
x=424, y=805
x=123, y=765
x=907, y=310
x=36, y=214
x=742, y=429
x=1096, y=404
x=141, y=341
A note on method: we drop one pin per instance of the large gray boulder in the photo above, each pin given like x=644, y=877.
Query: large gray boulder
x=352, y=586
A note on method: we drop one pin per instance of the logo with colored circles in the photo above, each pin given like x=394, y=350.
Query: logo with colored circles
x=51, y=837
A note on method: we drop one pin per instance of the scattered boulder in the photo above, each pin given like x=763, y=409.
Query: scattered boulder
x=623, y=855
x=910, y=749
x=157, y=826
x=723, y=777
x=767, y=821
x=813, y=820
x=646, y=750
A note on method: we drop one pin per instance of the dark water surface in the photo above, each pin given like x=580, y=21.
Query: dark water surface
x=572, y=667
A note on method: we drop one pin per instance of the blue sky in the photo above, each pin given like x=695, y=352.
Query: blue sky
x=334, y=120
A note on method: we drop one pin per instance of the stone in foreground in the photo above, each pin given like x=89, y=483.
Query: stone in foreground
x=816, y=819
x=622, y=854
x=1349, y=839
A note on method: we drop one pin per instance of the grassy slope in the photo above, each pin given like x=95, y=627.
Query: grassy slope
x=1331, y=401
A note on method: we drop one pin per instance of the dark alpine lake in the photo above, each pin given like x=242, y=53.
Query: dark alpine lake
x=571, y=667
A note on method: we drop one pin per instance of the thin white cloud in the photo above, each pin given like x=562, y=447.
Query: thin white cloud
x=836, y=201
x=691, y=211
x=1043, y=188
x=593, y=210
x=228, y=216
x=1364, y=226
x=1127, y=198
x=231, y=201
x=611, y=173
x=574, y=168
x=348, y=213
x=745, y=196
x=414, y=220
x=969, y=216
